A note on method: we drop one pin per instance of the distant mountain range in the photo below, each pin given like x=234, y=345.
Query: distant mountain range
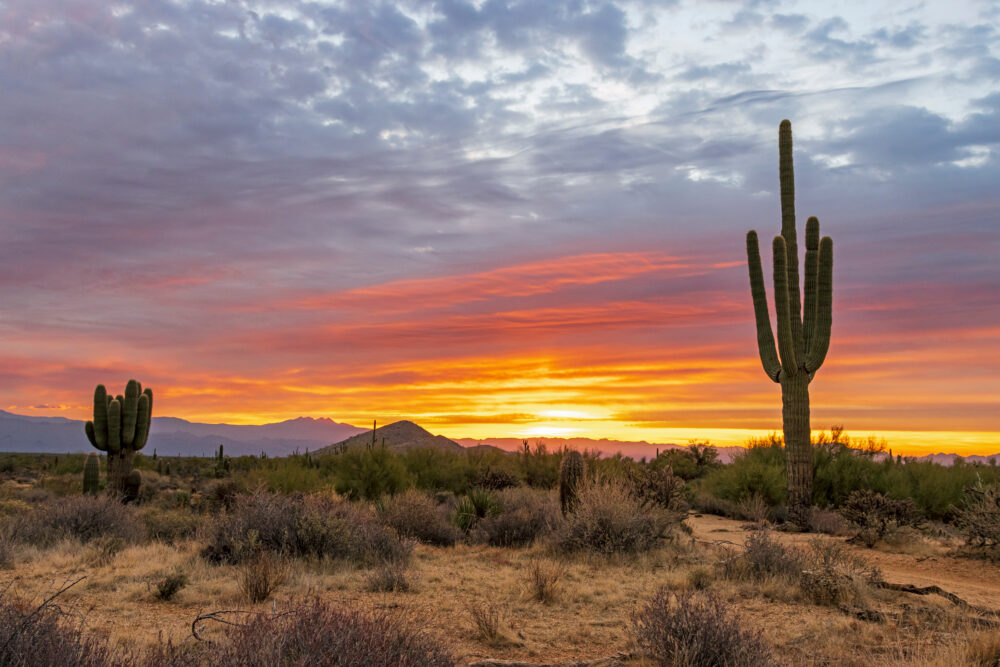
x=171, y=436
x=177, y=437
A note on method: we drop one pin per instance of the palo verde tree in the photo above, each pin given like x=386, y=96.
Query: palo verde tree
x=803, y=326
x=121, y=428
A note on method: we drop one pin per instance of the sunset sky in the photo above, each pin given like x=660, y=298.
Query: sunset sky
x=498, y=218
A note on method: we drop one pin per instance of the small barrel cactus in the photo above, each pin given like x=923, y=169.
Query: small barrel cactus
x=132, y=484
x=92, y=474
x=570, y=477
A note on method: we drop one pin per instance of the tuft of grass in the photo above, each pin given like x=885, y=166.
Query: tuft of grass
x=168, y=586
x=544, y=579
x=259, y=576
x=486, y=618
x=389, y=577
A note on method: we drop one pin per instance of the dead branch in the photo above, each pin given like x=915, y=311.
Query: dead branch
x=615, y=660
x=219, y=617
x=935, y=590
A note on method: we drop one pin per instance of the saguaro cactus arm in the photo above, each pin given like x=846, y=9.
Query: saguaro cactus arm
x=100, y=425
x=786, y=176
x=129, y=408
x=786, y=339
x=765, y=338
x=143, y=411
x=820, y=342
x=809, y=279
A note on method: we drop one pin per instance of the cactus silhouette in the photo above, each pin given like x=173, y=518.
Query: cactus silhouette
x=132, y=484
x=92, y=473
x=120, y=428
x=570, y=477
x=803, y=326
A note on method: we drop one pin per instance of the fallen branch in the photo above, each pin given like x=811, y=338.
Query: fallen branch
x=615, y=660
x=935, y=590
x=218, y=617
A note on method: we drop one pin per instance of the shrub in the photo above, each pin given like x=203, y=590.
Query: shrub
x=659, y=486
x=389, y=577
x=413, y=514
x=315, y=633
x=486, y=619
x=495, y=479
x=760, y=470
x=763, y=557
x=979, y=519
x=168, y=586
x=370, y=473
x=684, y=630
x=752, y=508
x=84, y=518
x=296, y=525
x=875, y=515
x=259, y=576
x=40, y=635
x=827, y=522
x=610, y=519
x=474, y=507
x=524, y=516
x=170, y=526
x=543, y=579
x=833, y=576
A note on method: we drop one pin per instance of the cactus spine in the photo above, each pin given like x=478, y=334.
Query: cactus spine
x=570, y=477
x=120, y=428
x=92, y=474
x=803, y=326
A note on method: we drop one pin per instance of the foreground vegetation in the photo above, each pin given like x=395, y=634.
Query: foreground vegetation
x=450, y=557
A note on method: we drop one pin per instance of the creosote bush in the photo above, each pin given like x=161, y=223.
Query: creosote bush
x=413, y=514
x=610, y=519
x=524, y=515
x=83, y=518
x=302, y=526
x=688, y=630
x=763, y=557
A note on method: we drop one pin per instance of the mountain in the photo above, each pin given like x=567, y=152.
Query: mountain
x=400, y=436
x=177, y=437
x=605, y=447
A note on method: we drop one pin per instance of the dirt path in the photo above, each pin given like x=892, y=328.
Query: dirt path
x=975, y=581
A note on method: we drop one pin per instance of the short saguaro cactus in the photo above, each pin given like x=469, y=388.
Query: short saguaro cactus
x=120, y=428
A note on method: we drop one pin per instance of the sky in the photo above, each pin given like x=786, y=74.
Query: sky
x=499, y=218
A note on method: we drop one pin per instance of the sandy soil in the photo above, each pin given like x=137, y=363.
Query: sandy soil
x=587, y=619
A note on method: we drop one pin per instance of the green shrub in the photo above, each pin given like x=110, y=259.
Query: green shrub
x=875, y=515
x=760, y=471
x=474, y=507
x=370, y=473
x=524, y=515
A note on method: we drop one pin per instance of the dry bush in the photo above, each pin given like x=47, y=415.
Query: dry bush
x=752, y=508
x=524, y=516
x=169, y=585
x=875, y=515
x=389, y=577
x=700, y=578
x=486, y=618
x=302, y=526
x=259, y=576
x=543, y=579
x=834, y=576
x=979, y=520
x=763, y=557
x=105, y=548
x=170, y=526
x=33, y=635
x=413, y=514
x=707, y=503
x=826, y=522
x=659, y=486
x=8, y=549
x=685, y=630
x=84, y=518
x=610, y=519
x=315, y=633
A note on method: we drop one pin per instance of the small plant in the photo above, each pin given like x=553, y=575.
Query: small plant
x=477, y=505
x=168, y=586
x=389, y=577
x=752, y=508
x=659, y=486
x=486, y=618
x=571, y=473
x=875, y=515
x=415, y=515
x=763, y=557
x=495, y=479
x=700, y=578
x=524, y=515
x=259, y=576
x=684, y=630
x=544, y=578
x=106, y=548
x=979, y=520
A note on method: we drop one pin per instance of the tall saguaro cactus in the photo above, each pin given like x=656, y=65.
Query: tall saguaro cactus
x=120, y=428
x=803, y=326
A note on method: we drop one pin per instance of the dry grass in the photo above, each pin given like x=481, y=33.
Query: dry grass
x=588, y=617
